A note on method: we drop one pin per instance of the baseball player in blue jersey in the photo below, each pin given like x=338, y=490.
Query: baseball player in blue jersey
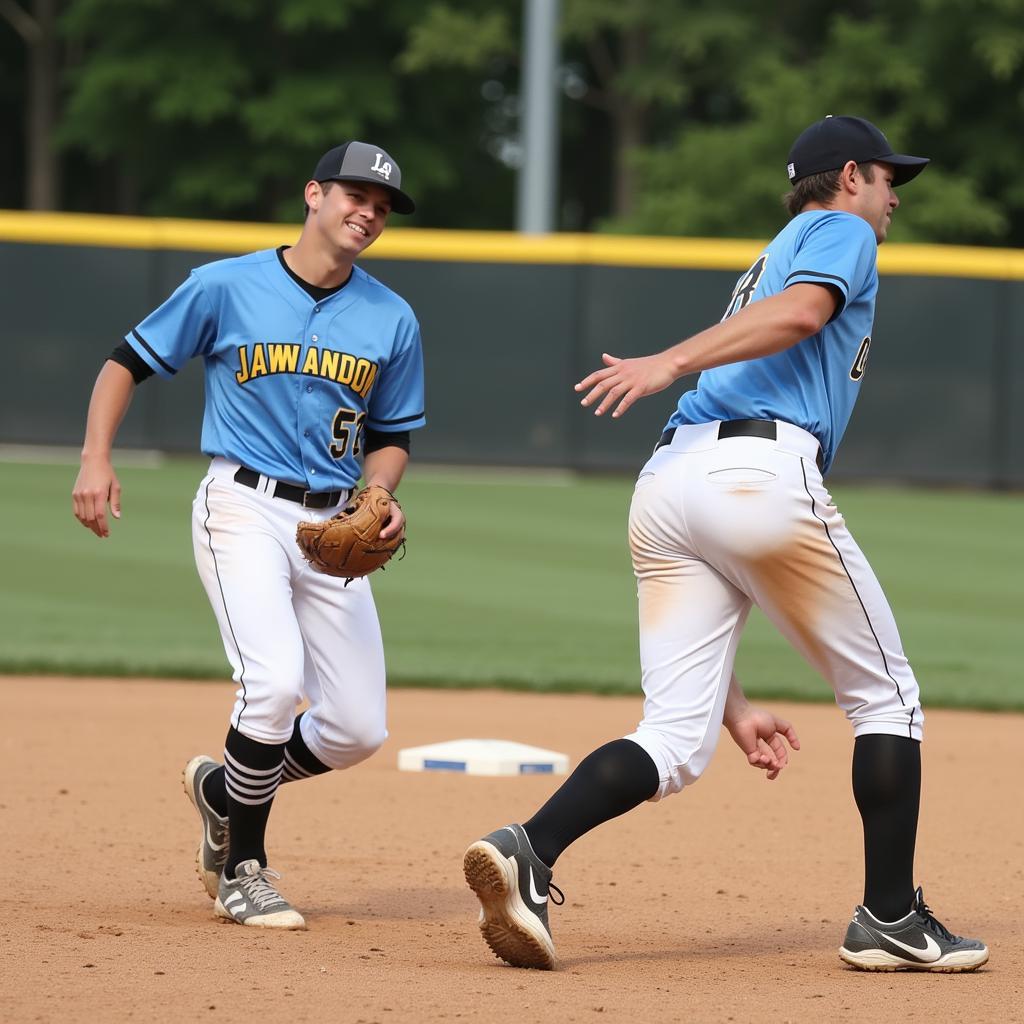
x=731, y=511
x=314, y=377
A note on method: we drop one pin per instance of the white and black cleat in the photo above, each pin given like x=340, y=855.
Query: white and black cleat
x=513, y=886
x=916, y=942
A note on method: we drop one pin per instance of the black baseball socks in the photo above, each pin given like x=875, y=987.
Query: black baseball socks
x=613, y=779
x=887, y=788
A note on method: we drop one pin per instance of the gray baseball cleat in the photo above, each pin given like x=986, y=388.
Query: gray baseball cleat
x=250, y=898
x=916, y=942
x=513, y=885
x=213, y=844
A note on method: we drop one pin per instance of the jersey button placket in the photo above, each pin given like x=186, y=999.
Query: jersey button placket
x=309, y=410
x=306, y=427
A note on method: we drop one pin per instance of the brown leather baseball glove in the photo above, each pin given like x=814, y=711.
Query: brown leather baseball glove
x=348, y=544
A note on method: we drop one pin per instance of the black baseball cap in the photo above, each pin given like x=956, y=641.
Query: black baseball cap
x=359, y=161
x=829, y=143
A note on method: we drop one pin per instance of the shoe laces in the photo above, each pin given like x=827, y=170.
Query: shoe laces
x=259, y=889
x=932, y=923
x=552, y=888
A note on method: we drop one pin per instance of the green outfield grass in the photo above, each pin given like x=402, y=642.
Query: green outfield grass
x=512, y=579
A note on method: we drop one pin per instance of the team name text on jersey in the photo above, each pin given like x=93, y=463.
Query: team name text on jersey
x=271, y=357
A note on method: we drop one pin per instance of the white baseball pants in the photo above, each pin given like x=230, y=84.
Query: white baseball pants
x=718, y=525
x=289, y=632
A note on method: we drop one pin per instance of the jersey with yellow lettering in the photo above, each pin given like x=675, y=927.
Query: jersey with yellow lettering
x=291, y=381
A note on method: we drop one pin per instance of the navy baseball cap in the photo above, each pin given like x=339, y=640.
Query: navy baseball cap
x=829, y=143
x=359, y=161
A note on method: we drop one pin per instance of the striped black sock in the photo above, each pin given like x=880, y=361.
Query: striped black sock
x=299, y=761
x=252, y=772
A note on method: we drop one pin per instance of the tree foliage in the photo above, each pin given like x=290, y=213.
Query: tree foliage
x=676, y=115
x=893, y=67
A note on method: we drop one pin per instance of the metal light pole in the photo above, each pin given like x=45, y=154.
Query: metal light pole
x=538, y=175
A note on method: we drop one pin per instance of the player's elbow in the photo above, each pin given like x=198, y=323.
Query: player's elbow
x=806, y=320
x=816, y=306
x=809, y=308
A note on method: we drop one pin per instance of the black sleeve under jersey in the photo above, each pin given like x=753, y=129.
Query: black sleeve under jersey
x=374, y=439
x=127, y=357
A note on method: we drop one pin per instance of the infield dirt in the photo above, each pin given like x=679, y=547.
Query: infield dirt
x=726, y=903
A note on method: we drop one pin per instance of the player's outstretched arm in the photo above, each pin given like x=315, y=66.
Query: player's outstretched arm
x=97, y=483
x=760, y=329
x=759, y=733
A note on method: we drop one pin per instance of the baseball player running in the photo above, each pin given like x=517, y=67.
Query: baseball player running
x=731, y=511
x=311, y=366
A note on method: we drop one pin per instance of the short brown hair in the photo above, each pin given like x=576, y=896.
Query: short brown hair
x=820, y=188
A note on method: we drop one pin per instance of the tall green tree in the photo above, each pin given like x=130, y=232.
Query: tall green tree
x=698, y=101
x=676, y=114
x=221, y=108
x=207, y=107
x=930, y=73
x=35, y=25
x=646, y=62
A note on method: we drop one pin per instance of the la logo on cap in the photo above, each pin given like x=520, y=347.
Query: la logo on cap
x=383, y=169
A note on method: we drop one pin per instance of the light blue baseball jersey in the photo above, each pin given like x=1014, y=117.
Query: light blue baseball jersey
x=291, y=381
x=813, y=384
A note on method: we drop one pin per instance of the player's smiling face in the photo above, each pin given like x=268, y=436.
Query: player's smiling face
x=352, y=214
x=878, y=200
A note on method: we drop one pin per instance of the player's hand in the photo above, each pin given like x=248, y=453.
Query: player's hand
x=761, y=735
x=624, y=381
x=396, y=523
x=96, y=485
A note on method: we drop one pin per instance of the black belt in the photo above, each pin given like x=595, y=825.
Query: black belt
x=308, y=499
x=768, y=429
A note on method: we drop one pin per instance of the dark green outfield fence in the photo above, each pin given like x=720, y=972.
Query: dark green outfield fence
x=509, y=324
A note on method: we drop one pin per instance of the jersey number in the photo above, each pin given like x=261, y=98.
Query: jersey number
x=348, y=427
x=746, y=286
x=857, y=370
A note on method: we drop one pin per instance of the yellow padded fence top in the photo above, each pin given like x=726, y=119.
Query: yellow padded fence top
x=482, y=246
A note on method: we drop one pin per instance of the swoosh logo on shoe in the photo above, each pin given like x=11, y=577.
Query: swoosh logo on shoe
x=929, y=954
x=534, y=895
x=216, y=847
